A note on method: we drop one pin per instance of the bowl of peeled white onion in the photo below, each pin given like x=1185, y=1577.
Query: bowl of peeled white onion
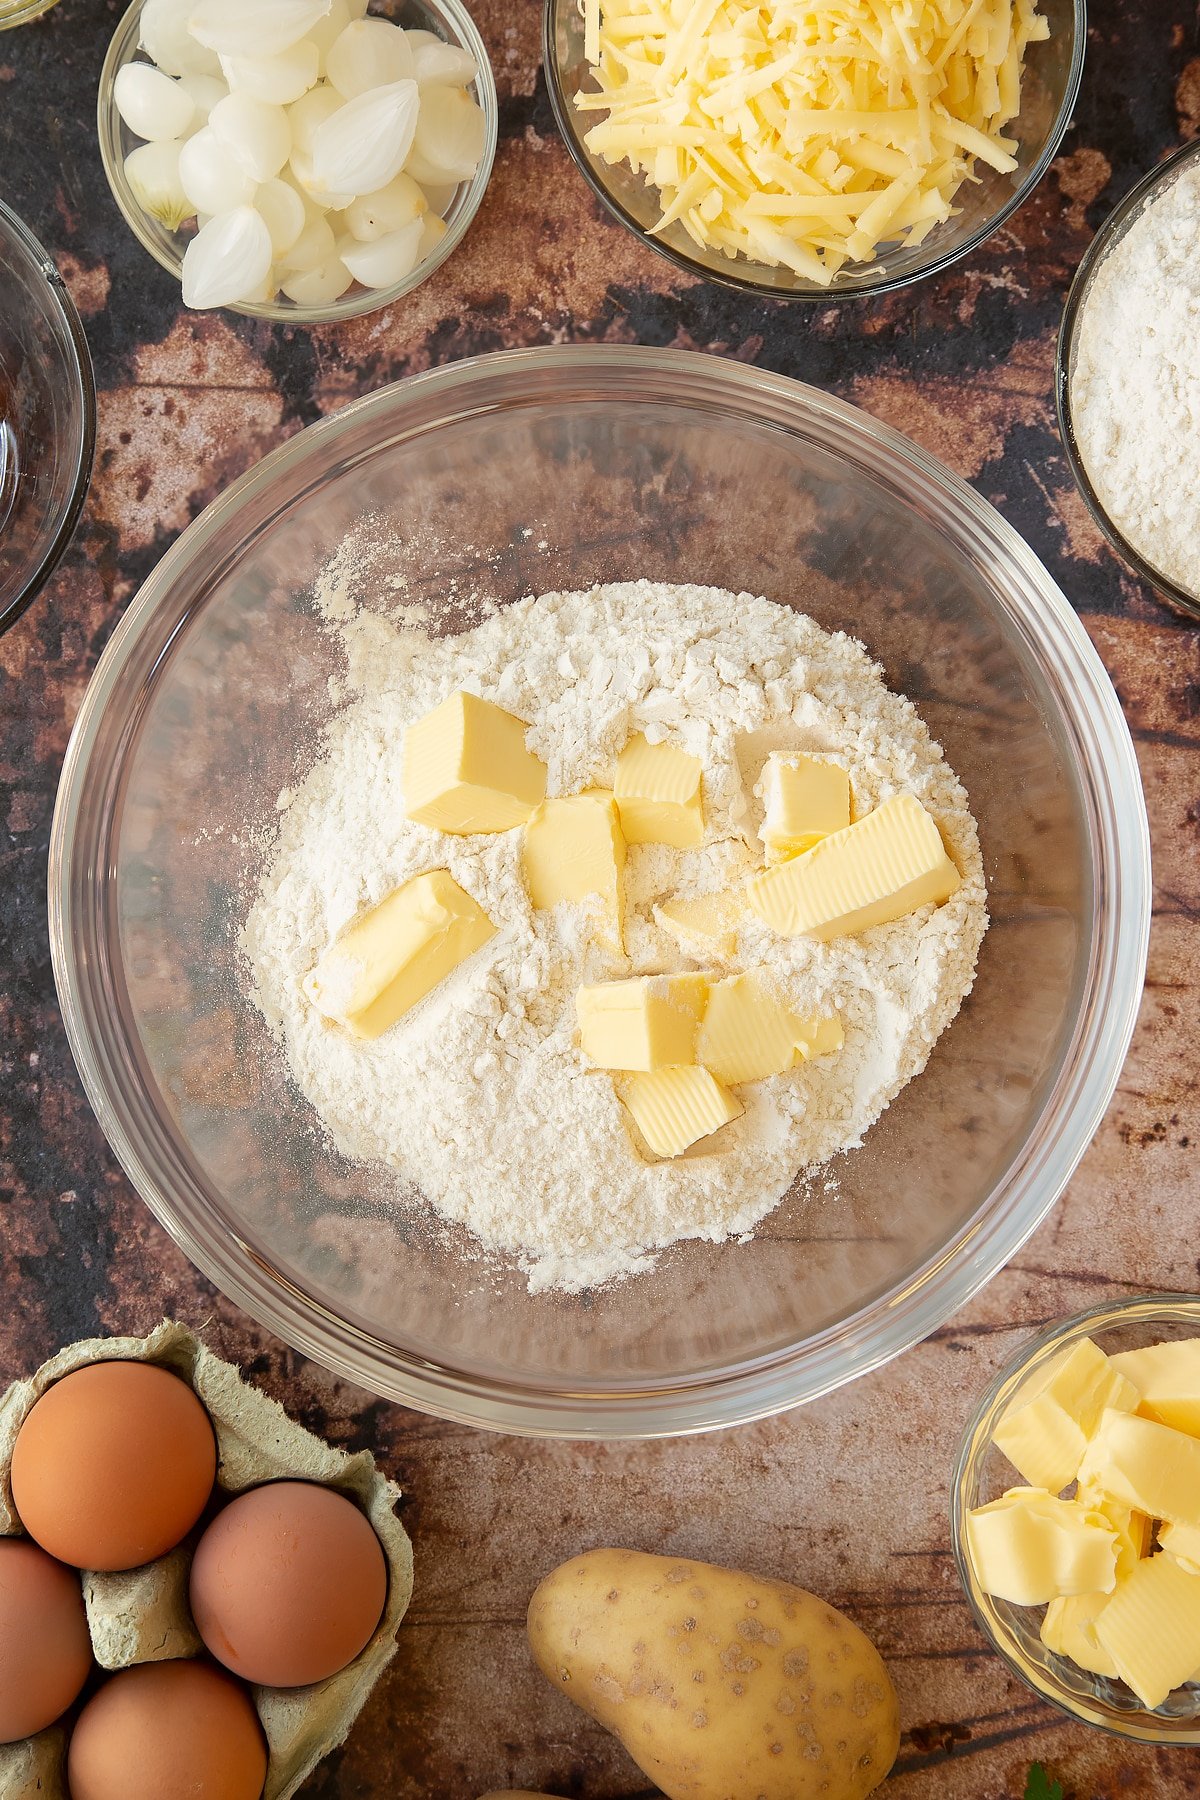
x=298, y=160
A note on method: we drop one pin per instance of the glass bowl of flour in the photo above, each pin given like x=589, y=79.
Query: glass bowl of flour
x=1128, y=378
x=602, y=541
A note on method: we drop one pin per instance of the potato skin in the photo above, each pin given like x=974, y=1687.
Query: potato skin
x=721, y=1685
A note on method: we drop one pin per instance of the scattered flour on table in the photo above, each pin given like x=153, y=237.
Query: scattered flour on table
x=479, y=1098
x=1135, y=386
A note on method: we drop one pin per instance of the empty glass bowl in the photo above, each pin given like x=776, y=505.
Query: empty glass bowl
x=1125, y=214
x=1051, y=83
x=548, y=469
x=447, y=19
x=984, y=1473
x=47, y=416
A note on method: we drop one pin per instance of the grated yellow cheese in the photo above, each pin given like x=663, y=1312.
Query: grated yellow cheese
x=806, y=133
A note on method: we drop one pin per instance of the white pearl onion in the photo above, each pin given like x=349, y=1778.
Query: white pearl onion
x=387, y=259
x=152, y=105
x=258, y=135
x=211, y=176
x=228, y=260
x=370, y=53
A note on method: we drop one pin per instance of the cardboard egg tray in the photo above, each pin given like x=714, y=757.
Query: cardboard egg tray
x=143, y=1616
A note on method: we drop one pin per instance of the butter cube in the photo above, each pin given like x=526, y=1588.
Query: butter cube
x=657, y=790
x=877, y=870
x=574, y=847
x=393, y=956
x=1183, y=1543
x=1167, y=1376
x=674, y=1108
x=706, y=924
x=1147, y=1466
x=1029, y=1547
x=466, y=768
x=1151, y=1628
x=1069, y=1629
x=819, y=1036
x=1046, y=1428
x=1134, y=1531
x=748, y=1034
x=804, y=800
x=644, y=1024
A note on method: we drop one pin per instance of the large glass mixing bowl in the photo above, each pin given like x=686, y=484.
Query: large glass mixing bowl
x=555, y=468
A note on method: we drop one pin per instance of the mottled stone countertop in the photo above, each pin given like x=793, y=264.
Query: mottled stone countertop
x=848, y=1496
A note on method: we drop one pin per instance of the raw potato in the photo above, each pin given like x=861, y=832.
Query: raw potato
x=722, y=1686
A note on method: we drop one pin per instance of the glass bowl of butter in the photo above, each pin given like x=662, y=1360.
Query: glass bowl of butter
x=1076, y=1516
x=812, y=161
x=432, y=508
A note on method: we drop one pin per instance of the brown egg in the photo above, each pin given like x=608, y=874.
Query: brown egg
x=114, y=1465
x=288, y=1584
x=163, y=1730
x=45, y=1651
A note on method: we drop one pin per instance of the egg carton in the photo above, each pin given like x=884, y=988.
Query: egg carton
x=143, y=1615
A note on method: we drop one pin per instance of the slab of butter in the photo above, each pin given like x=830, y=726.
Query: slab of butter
x=1145, y=1465
x=658, y=793
x=574, y=847
x=394, y=955
x=875, y=871
x=1151, y=1628
x=706, y=924
x=1046, y=1428
x=466, y=768
x=1069, y=1629
x=1029, y=1547
x=644, y=1024
x=1167, y=1376
x=677, y=1107
x=1183, y=1543
x=748, y=1034
x=804, y=800
x=1134, y=1531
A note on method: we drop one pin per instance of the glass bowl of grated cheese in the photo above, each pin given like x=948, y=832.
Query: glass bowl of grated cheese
x=425, y=510
x=813, y=153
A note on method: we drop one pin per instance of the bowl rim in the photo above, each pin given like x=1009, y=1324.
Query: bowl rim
x=123, y=47
x=811, y=294
x=1109, y=234
x=40, y=262
x=1077, y=1097
x=1143, y=1726
x=24, y=12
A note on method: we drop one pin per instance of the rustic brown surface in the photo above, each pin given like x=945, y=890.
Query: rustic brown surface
x=850, y=1495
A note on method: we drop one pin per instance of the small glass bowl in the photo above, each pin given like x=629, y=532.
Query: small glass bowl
x=20, y=12
x=447, y=19
x=1052, y=74
x=983, y=1473
x=47, y=417
x=1123, y=216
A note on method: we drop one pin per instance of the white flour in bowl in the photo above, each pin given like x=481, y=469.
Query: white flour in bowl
x=479, y=1098
x=1135, y=385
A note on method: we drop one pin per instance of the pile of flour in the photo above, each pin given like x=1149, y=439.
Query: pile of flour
x=1135, y=386
x=479, y=1098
